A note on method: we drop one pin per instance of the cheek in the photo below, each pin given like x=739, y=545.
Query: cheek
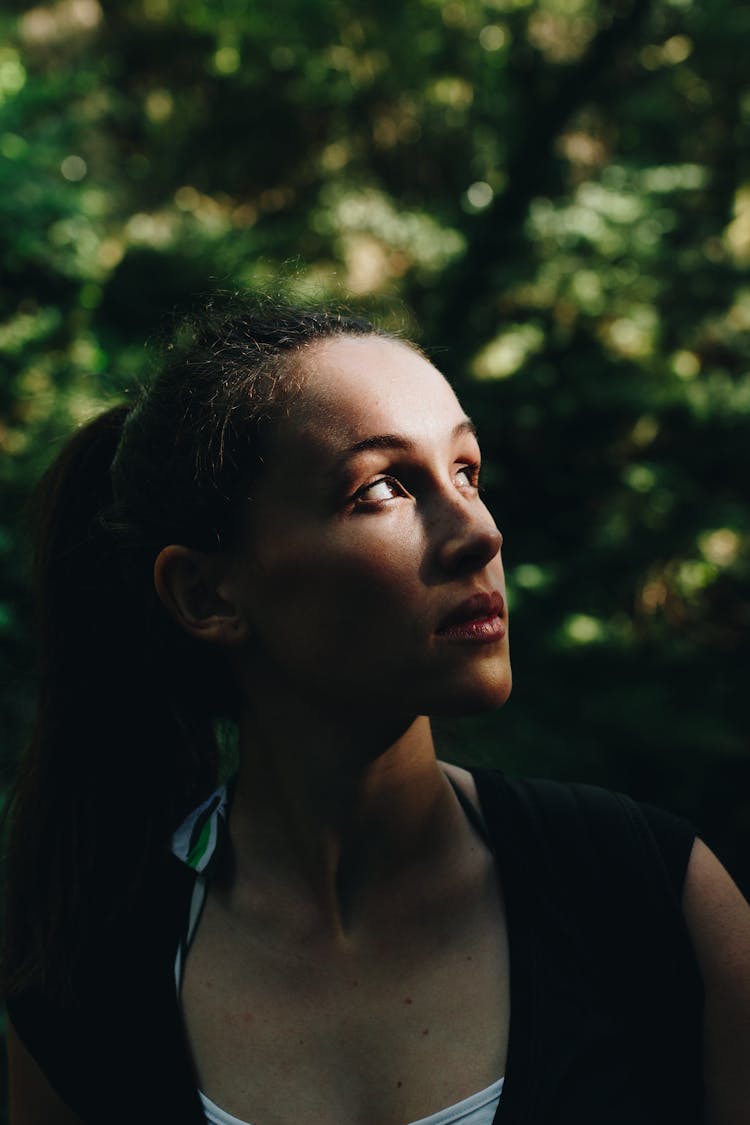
x=355, y=583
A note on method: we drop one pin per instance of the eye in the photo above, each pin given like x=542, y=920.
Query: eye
x=468, y=475
x=378, y=492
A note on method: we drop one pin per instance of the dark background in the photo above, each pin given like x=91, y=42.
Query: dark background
x=552, y=196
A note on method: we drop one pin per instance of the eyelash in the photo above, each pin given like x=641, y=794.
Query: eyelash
x=472, y=468
x=360, y=496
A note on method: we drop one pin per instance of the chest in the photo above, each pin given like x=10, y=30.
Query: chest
x=382, y=1033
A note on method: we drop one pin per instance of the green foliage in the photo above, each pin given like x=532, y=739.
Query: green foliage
x=556, y=192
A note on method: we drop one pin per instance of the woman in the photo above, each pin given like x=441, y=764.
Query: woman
x=287, y=530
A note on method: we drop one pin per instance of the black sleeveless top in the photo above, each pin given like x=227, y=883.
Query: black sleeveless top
x=606, y=999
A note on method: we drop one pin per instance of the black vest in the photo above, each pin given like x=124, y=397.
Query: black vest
x=606, y=999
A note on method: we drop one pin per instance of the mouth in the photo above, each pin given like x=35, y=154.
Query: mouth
x=479, y=618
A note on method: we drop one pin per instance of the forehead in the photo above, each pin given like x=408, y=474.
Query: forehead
x=353, y=388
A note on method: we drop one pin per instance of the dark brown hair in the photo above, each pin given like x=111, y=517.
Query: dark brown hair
x=125, y=737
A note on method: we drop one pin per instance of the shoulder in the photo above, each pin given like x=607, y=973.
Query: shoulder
x=611, y=868
x=594, y=884
x=716, y=909
x=591, y=826
x=31, y=1097
x=71, y=1050
x=718, y=920
x=680, y=908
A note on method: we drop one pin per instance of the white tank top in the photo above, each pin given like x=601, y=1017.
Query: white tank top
x=195, y=843
x=477, y=1109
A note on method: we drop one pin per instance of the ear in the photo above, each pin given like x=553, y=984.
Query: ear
x=191, y=586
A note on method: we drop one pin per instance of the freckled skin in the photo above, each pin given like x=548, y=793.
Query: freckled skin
x=344, y=589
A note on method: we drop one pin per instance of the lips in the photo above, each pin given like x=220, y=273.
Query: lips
x=477, y=608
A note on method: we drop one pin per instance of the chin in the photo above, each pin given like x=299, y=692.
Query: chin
x=483, y=694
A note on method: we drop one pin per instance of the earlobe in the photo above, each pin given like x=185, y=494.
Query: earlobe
x=190, y=587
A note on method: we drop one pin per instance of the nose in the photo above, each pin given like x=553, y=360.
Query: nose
x=467, y=538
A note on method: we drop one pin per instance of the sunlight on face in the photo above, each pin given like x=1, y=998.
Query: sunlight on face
x=368, y=532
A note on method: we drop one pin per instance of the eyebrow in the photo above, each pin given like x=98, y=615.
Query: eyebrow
x=396, y=441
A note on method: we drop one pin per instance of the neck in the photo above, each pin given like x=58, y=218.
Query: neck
x=334, y=815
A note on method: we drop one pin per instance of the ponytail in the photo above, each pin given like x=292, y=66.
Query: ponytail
x=109, y=766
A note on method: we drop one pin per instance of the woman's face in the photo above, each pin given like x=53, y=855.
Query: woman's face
x=372, y=578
